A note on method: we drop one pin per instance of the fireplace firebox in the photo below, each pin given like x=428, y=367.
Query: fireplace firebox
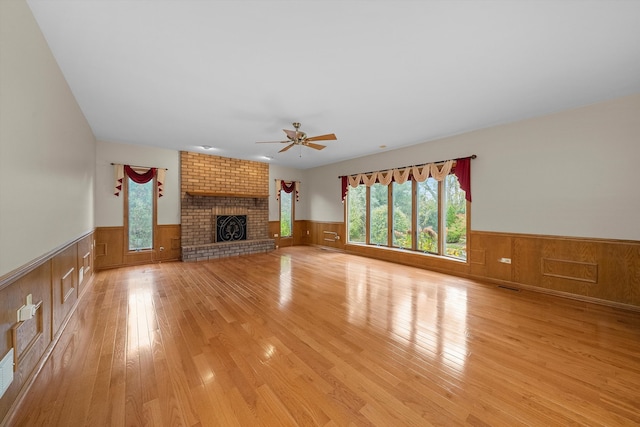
x=230, y=228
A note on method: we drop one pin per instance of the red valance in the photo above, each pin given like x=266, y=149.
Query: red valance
x=140, y=178
x=462, y=170
x=438, y=170
x=345, y=187
x=288, y=187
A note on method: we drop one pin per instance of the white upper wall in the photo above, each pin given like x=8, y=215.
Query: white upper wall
x=110, y=208
x=47, y=148
x=572, y=173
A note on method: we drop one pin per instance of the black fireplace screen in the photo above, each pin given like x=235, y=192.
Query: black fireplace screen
x=231, y=227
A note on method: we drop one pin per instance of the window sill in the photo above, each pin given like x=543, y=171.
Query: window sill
x=405, y=251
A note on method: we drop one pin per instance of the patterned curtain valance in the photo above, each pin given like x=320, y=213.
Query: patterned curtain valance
x=287, y=187
x=140, y=175
x=460, y=167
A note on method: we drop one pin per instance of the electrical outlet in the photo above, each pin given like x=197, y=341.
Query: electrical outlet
x=275, y=235
x=505, y=260
x=6, y=371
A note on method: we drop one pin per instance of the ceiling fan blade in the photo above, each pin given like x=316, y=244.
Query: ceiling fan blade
x=286, y=148
x=327, y=137
x=292, y=134
x=272, y=142
x=312, y=145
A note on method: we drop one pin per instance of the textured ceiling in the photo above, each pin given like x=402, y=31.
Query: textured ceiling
x=182, y=74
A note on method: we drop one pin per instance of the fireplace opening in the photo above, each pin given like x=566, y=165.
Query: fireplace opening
x=230, y=228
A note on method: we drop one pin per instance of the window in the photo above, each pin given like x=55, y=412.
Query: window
x=427, y=211
x=357, y=214
x=402, y=213
x=455, y=211
x=286, y=214
x=378, y=212
x=428, y=216
x=139, y=214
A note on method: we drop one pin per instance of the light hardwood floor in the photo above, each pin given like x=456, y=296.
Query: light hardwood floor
x=303, y=336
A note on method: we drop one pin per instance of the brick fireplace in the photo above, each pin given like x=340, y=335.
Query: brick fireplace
x=214, y=186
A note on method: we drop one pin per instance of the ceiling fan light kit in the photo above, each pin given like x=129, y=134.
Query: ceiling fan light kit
x=298, y=137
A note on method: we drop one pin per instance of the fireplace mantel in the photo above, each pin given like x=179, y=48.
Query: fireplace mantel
x=219, y=194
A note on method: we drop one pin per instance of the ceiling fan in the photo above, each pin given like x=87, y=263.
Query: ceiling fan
x=297, y=137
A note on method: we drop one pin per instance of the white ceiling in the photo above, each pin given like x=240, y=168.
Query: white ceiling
x=181, y=74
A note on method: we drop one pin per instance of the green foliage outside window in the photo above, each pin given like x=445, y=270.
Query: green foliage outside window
x=140, y=218
x=429, y=228
x=357, y=212
x=379, y=223
x=286, y=214
x=402, y=237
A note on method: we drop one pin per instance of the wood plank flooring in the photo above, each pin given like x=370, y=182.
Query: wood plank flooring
x=308, y=337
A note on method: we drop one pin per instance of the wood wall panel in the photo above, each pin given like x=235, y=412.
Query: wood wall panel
x=485, y=253
x=330, y=234
x=605, y=270
x=64, y=285
x=300, y=235
x=85, y=261
x=110, y=251
x=37, y=282
x=48, y=279
x=109, y=247
x=169, y=239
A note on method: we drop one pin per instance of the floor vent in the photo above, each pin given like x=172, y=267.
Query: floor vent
x=509, y=288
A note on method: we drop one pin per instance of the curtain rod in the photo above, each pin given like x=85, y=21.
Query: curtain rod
x=473, y=156
x=134, y=166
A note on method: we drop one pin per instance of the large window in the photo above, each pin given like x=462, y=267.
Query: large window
x=429, y=216
x=140, y=214
x=286, y=214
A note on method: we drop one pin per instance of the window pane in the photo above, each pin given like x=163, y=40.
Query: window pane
x=357, y=211
x=286, y=214
x=455, y=211
x=140, y=209
x=379, y=218
x=427, y=201
x=402, y=215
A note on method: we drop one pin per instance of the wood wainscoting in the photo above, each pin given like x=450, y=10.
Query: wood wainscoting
x=111, y=253
x=588, y=269
x=55, y=282
x=305, y=232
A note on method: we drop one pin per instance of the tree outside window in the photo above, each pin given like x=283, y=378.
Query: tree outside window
x=286, y=214
x=140, y=199
x=436, y=216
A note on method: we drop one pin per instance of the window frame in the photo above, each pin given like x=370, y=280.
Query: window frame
x=441, y=247
x=154, y=216
x=293, y=212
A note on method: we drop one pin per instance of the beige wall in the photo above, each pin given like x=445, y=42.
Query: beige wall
x=47, y=148
x=573, y=173
x=109, y=208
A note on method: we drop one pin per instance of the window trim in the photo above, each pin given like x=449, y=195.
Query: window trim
x=441, y=224
x=125, y=187
x=293, y=214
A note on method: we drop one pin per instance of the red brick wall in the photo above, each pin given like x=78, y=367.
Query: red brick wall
x=202, y=172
